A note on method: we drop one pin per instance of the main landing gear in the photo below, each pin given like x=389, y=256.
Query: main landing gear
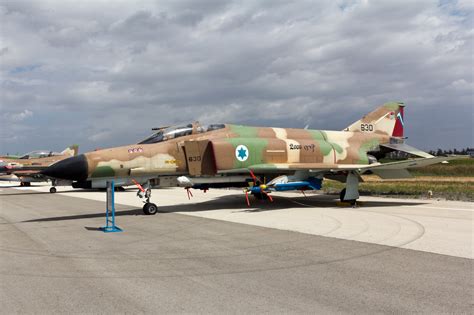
x=342, y=195
x=149, y=208
x=350, y=194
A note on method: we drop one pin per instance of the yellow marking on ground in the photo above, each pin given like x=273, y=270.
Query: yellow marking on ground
x=345, y=204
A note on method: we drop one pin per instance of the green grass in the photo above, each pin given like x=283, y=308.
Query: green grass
x=416, y=189
x=459, y=168
x=455, y=168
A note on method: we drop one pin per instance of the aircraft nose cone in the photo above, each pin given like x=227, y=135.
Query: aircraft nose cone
x=73, y=168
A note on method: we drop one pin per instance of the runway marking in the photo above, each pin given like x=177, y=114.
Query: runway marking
x=439, y=208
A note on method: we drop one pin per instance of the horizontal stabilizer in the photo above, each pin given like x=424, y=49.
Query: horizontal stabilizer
x=392, y=174
x=406, y=164
x=407, y=149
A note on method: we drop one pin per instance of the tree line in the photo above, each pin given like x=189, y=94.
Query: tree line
x=438, y=152
x=465, y=151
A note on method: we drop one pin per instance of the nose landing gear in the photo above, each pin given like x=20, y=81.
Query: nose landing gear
x=149, y=208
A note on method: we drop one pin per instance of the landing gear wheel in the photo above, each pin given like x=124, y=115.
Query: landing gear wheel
x=52, y=190
x=150, y=209
x=343, y=194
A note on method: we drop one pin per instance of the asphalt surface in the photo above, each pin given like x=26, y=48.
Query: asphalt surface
x=53, y=259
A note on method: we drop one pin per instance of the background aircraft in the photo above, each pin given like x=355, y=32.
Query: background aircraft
x=27, y=167
x=262, y=159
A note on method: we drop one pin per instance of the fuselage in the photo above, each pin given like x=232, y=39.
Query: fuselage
x=220, y=152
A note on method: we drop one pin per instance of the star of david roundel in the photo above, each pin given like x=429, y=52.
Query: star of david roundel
x=241, y=153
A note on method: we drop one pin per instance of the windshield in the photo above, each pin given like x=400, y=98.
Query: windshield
x=181, y=131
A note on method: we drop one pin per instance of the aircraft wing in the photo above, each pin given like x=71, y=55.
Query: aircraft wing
x=20, y=170
x=384, y=170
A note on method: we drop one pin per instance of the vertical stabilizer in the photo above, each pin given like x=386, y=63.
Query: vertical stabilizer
x=387, y=119
x=72, y=150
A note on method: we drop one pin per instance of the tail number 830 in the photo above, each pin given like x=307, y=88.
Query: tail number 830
x=366, y=127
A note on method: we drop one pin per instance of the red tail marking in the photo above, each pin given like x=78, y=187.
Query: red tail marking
x=398, y=130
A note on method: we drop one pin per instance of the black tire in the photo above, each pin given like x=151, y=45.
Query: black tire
x=52, y=190
x=342, y=194
x=150, y=208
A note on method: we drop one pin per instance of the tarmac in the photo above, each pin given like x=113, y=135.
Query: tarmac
x=213, y=254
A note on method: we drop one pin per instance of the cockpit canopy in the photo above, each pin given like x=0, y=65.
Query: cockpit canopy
x=167, y=133
x=38, y=154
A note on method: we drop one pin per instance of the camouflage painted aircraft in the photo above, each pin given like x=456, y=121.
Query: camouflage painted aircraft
x=27, y=167
x=224, y=155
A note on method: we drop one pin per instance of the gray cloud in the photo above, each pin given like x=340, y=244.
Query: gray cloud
x=101, y=73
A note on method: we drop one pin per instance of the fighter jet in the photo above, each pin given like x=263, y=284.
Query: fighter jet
x=27, y=167
x=260, y=159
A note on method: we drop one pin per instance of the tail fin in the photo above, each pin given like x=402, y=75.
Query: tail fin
x=387, y=119
x=72, y=150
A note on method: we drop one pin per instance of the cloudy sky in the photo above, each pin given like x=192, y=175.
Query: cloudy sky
x=103, y=73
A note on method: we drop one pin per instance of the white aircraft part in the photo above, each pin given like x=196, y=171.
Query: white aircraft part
x=352, y=187
x=185, y=181
x=283, y=179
